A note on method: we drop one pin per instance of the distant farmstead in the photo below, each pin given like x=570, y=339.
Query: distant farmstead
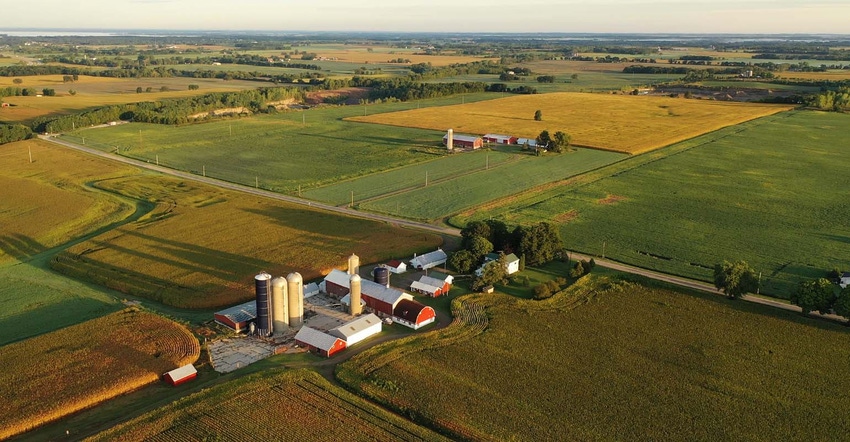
x=500, y=139
x=464, y=141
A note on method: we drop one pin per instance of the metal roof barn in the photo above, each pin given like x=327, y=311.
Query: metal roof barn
x=428, y=260
x=237, y=317
x=180, y=375
x=318, y=341
x=358, y=329
x=413, y=314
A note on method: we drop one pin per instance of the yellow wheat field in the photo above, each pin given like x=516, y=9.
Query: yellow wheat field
x=621, y=123
x=54, y=375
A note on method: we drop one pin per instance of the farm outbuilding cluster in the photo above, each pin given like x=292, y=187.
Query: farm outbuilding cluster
x=472, y=142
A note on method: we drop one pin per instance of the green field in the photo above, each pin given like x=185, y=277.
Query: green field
x=586, y=81
x=273, y=405
x=766, y=191
x=278, y=150
x=451, y=196
x=614, y=360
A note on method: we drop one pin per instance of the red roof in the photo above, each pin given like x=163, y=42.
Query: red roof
x=394, y=263
x=410, y=310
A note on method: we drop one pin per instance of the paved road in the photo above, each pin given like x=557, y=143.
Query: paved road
x=253, y=190
x=683, y=282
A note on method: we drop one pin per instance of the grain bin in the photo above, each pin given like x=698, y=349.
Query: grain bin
x=353, y=264
x=262, y=284
x=450, y=140
x=295, y=288
x=280, y=315
x=354, y=308
x=382, y=276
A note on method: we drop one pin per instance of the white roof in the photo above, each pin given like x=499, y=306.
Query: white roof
x=427, y=288
x=432, y=281
x=457, y=137
x=530, y=141
x=350, y=329
x=368, y=288
x=347, y=300
x=422, y=260
x=497, y=136
x=316, y=338
x=311, y=289
x=182, y=372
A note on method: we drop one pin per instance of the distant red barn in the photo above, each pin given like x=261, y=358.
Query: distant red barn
x=465, y=141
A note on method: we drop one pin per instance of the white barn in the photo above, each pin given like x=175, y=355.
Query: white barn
x=358, y=329
x=428, y=260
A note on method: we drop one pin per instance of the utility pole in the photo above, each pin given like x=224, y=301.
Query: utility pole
x=157, y=160
x=426, y=178
x=30, y=151
x=231, y=129
x=758, y=287
x=487, y=167
x=303, y=119
x=352, y=200
x=299, y=191
x=84, y=140
x=603, y=249
x=141, y=145
x=204, y=170
x=257, y=182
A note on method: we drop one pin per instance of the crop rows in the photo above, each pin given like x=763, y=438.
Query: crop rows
x=692, y=367
x=53, y=375
x=291, y=405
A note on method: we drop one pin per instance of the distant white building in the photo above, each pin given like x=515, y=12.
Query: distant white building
x=428, y=260
x=845, y=280
x=511, y=266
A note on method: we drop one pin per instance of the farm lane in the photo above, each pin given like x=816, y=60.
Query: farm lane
x=676, y=280
x=255, y=191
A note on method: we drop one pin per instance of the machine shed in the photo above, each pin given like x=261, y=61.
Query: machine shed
x=237, y=317
x=319, y=342
x=358, y=329
x=429, y=260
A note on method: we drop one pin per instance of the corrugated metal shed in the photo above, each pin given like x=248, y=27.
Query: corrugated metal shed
x=237, y=316
x=316, y=338
x=429, y=260
x=358, y=329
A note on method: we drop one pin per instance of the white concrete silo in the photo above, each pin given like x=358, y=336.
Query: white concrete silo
x=295, y=289
x=280, y=314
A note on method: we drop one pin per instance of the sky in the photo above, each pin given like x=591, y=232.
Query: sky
x=593, y=16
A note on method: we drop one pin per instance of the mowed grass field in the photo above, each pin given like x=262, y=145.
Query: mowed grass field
x=767, y=192
x=92, y=92
x=621, y=123
x=614, y=360
x=282, y=151
x=54, y=375
x=201, y=246
x=46, y=203
x=277, y=405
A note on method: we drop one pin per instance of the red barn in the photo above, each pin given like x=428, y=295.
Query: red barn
x=237, y=317
x=319, y=342
x=432, y=287
x=377, y=297
x=465, y=141
x=180, y=375
x=500, y=139
x=413, y=314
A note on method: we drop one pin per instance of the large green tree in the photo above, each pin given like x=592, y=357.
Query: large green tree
x=543, y=139
x=462, y=261
x=560, y=142
x=479, y=247
x=842, y=303
x=495, y=272
x=539, y=243
x=814, y=296
x=735, y=278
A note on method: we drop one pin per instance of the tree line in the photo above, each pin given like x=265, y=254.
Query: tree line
x=14, y=132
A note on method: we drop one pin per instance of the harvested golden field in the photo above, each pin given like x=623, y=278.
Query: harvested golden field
x=101, y=91
x=201, y=246
x=836, y=74
x=362, y=56
x=273, y=405
x=621, y=123
x=53, y=375
x=46, y=203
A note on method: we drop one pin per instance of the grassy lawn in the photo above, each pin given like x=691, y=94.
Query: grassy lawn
x=610, y=359
x=764, y=192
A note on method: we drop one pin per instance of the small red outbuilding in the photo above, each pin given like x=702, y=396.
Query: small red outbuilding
x=180, y=375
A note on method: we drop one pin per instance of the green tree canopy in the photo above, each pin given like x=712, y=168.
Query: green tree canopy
x=842, y=303
x=814, y=296
x=495, y=272
x=735, y=279
x=479, y=247
x=538, y=115
x=543, y=139
x=462, y=261
x=539, y=243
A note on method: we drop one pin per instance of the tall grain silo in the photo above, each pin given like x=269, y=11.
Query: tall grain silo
x=353, y=264
x=382, y=276
x=280, y=315
x=450, y=139
x=354, y=284
x=262, y=283
x=296, y=299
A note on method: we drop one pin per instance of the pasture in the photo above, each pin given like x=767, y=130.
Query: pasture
x=54, y=375
x=92, y=92
x=764, y=191
x=201, y=246
x=628, y=124
x=47, y=203
x=290, y=405
x=283, y=151
x=609, y=359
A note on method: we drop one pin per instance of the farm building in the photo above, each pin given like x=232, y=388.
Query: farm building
x=237, y=317
x=845, y=280
x=180, y=375
x=311, y=289
x=499, y=139
x=511, y=266
x=447, y=279
x=413, y=314
x=397, y=266
x=376, y=296
x=531, y=142
x=358, y=329
x=430, y=286
x=465, y=141
x=319, y=342
x=428, y=260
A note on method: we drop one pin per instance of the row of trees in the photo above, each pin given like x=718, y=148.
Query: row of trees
x=535, y=245
x=14, y=132
x=819, y=295
x=557, y=144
